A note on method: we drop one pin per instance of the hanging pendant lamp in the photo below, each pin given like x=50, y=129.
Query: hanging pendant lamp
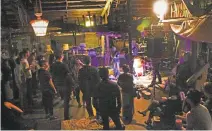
x=39, y=25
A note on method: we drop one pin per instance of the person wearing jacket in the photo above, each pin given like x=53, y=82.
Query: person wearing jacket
x=109, y=97
x=88, y=79
x=74, y=69
x=48, y=89
x=125, y=81
x=60, y=74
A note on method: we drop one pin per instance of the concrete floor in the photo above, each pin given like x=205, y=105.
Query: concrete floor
x=78, y=113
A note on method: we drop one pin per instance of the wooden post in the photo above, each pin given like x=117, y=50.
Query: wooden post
x=129, y=26
x=130, y=33
x=102, y=38
x=107, y=51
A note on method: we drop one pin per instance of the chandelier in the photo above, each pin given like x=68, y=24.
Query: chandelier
x=39, y=25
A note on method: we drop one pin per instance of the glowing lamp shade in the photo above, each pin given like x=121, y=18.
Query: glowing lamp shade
x=111, y=72
x=65, y=47
x=89, y=23
x=160, y=8
x=48, y=48
x=39, y=26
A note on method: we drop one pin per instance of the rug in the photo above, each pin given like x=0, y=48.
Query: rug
x=83, y=124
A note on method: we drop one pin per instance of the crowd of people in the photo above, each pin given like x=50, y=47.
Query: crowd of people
x=22, y=75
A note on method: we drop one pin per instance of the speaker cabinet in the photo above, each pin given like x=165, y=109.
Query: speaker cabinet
x=155, y=47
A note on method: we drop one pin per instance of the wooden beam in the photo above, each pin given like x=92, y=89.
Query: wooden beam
x=107, y=6
x=83, y=9
x=176, y=20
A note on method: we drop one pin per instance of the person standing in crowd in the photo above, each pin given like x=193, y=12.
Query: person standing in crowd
x=207, y=89
x=109, y=97
x=74, y=69
x=183, y=72
x=34, y=67
x=60, y=72
x=125, y=81
x=88, y=79
x=13, y=84
x=156, y=71
x=198, y=118
x=6, y=79
x=19, y=79
x=51, y=58
x=48, y=89
x=28, y=76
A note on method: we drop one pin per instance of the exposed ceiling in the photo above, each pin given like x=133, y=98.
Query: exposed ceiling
x=13, y=15
x=139, y=8
x=69, y=10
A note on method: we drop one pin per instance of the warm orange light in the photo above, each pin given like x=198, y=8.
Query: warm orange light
x=39, y=26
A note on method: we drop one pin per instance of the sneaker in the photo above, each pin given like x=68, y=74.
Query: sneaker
x=52, y=117
x=99, y=119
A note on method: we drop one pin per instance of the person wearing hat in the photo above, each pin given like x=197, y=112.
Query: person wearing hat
x=198, y=118
x=207, y=90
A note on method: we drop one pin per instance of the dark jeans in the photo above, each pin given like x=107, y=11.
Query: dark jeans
x=96, y=106
x=77, y=94
x=156, y=73
x=114, y=116
x=34, y=83
x=89, y=106
x=29, y=92
x=66, y=96
x=47, y=98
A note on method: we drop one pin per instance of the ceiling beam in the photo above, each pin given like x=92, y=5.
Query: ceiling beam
x=107, y=6
x=85, y=7
x=74, y=3
x=87, y=3
x=70, y=7
x=83, y=10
